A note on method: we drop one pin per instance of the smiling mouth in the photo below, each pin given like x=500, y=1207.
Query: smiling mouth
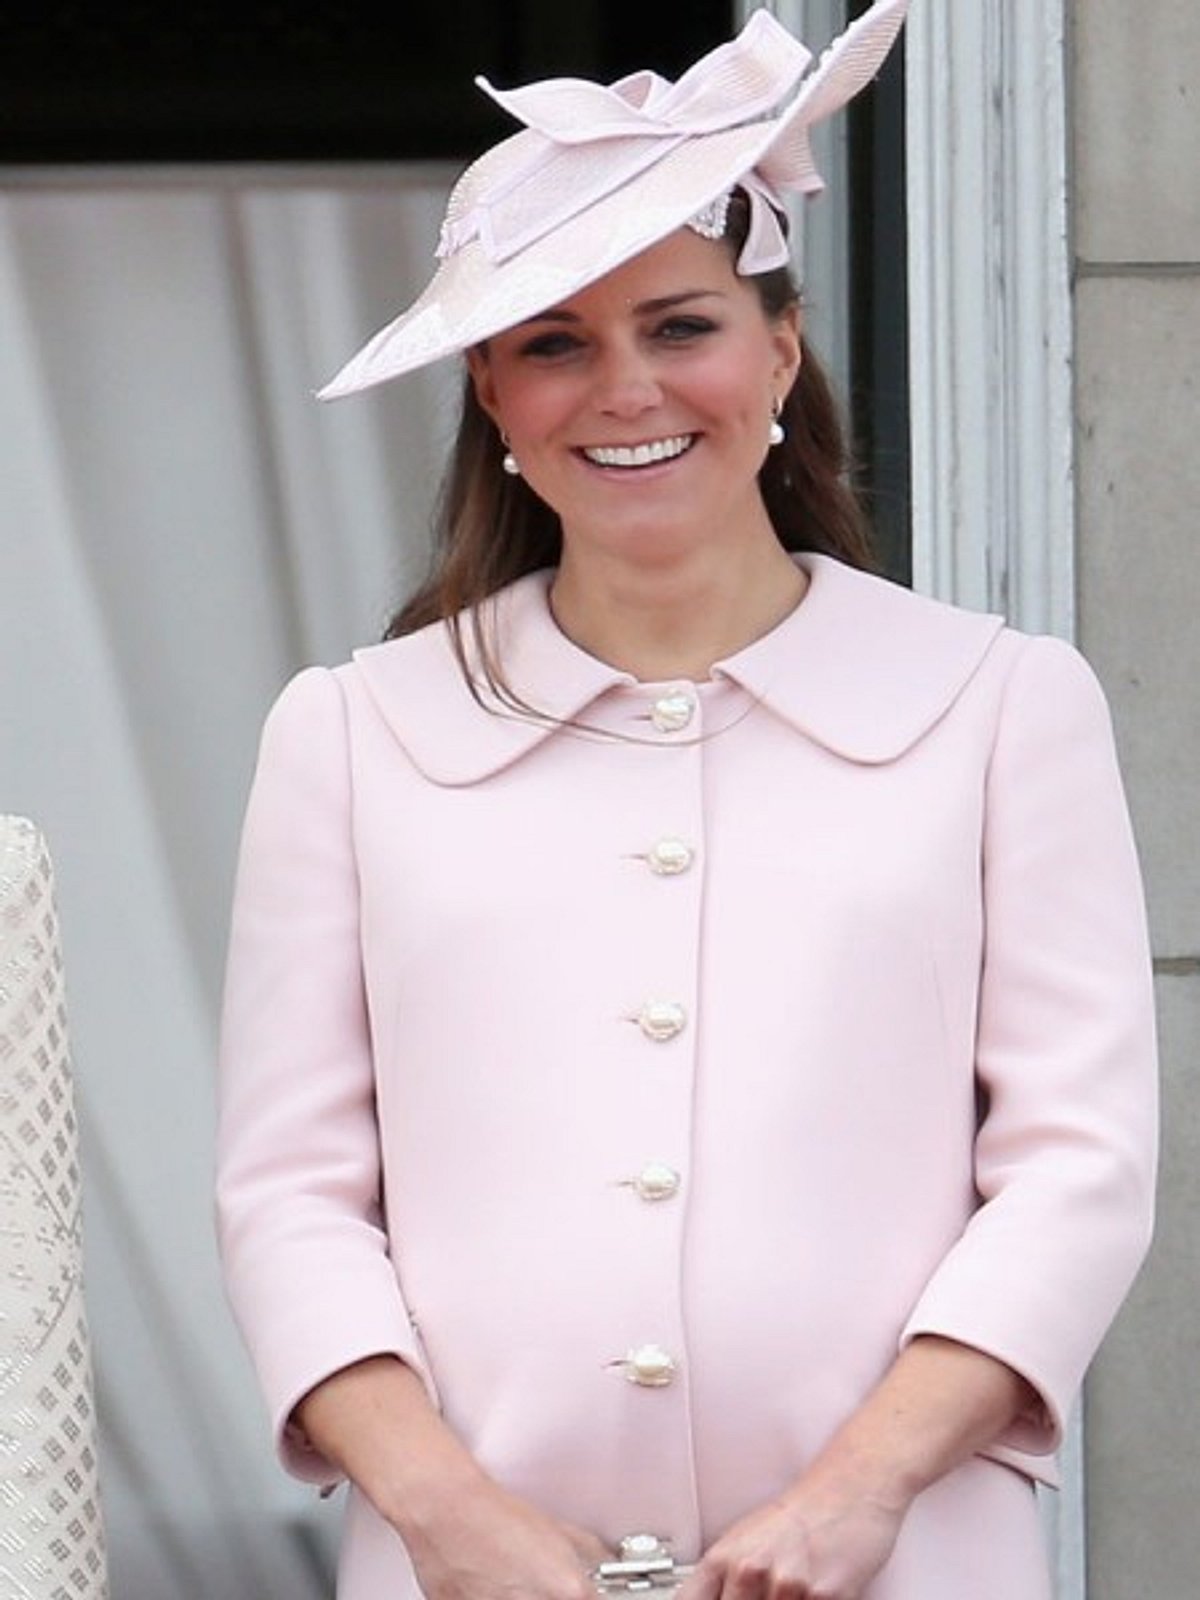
x=639, y=455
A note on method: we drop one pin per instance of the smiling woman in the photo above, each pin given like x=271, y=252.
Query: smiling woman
x=687, y=1067
x=493, y=528
x=640, y=412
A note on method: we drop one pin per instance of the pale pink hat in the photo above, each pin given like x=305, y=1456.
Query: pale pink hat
x=602, y=172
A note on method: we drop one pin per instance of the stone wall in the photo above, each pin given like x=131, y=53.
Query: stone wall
x=1136, y=111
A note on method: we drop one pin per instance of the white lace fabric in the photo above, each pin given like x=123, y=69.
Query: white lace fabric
x=51, y=1528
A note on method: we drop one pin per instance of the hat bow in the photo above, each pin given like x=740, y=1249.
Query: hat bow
x=584, y=140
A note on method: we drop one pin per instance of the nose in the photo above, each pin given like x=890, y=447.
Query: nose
x=626, y=382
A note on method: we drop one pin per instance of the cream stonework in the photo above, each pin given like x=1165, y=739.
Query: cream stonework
x=1135, y=79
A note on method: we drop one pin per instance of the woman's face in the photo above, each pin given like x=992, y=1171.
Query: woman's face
x=639, y=409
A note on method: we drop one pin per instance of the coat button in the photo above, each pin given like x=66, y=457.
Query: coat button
x=670, y=857
x=656, y=1181
x=672, y=711
x=650, y=1366
x=661, y=1020
x=643, y=1547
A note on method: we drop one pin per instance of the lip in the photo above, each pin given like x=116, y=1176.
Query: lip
x=639, y=456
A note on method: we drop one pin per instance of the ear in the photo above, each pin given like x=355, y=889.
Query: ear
x=480, y=369
x=786, y=333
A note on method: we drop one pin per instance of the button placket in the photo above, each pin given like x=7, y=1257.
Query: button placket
x=662, y=887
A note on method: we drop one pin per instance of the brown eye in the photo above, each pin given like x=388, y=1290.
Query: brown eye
x=679, y=330
x=545, y=346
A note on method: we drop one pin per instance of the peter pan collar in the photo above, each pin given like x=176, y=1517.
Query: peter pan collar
x=862, y=667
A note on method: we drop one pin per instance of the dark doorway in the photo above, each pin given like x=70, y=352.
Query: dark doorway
x=879, y=309
x=143, y=82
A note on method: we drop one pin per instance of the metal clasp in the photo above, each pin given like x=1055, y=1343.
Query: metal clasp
x=644, y=1563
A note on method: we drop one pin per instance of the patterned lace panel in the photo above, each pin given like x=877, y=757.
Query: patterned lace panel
x=51, y=1530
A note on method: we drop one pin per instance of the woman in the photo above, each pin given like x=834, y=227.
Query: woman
x=688, y=1050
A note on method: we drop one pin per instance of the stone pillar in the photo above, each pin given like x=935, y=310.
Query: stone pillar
x=1136, y=80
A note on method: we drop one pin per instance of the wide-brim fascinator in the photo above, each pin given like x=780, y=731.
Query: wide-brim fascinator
x=601, y=172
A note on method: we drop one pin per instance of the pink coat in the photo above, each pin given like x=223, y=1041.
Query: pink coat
x=647, y=1082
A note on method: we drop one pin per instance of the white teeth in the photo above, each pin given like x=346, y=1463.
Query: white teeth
x=640, y=455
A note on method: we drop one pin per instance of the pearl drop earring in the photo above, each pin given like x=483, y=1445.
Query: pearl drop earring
x=775, y=433
x=509, y=461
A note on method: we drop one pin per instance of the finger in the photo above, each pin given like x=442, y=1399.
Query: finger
x=755, y=1576
x=702, y=1583
x=747, y=1581
x=590, y=1548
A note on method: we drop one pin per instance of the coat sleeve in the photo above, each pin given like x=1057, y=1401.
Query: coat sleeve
x=298, y=1184
x=1066, y=1065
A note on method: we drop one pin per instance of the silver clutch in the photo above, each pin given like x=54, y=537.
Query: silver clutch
x=644, y=1564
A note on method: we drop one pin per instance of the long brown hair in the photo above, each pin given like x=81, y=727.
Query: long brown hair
x=491, y=529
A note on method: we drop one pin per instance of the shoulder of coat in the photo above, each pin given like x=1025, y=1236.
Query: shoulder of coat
x=866, y=667
x=454, y=727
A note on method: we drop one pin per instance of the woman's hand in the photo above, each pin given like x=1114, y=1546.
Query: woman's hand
x=485, y=1544
x=468, y=1538
x=828, y=1536
x=817, y=1542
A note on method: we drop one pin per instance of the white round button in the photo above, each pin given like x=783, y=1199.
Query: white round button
x=673, y=711
x=661, y=1020
x=650, y=1366
x=642, y=1547
x=670, y=857
x=656, y=1181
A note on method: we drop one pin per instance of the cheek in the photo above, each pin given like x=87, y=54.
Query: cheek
x=737, y=391
x=532, y=410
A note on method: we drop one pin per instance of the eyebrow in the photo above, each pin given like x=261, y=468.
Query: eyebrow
x=665, y=302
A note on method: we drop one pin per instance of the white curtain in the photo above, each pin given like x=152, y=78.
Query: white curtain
x=182, y=526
